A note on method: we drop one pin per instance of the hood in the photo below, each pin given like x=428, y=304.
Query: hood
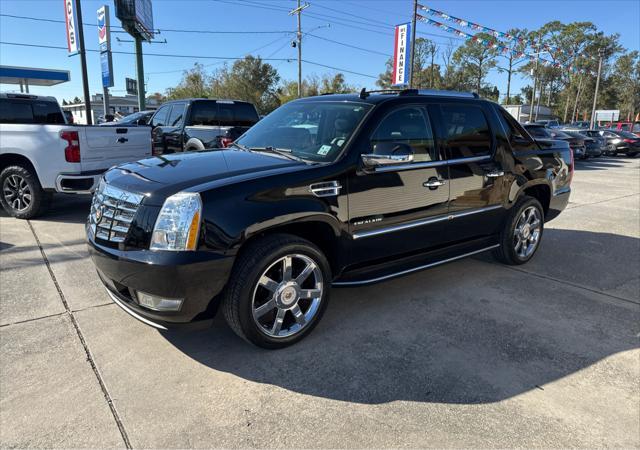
x=161, y=176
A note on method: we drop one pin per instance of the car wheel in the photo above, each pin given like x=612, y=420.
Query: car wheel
x=22, y=196
x=278, y=291
x=520, y=237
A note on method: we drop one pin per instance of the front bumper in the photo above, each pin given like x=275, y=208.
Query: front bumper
x=197, y=277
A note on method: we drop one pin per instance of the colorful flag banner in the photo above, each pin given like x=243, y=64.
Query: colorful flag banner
x=402, y=55
x=497, y=34
x=490, y=43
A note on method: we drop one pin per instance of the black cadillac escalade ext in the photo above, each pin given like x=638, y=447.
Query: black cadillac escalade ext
x=337, y=190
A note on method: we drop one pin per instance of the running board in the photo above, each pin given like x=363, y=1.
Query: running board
x=414, y=269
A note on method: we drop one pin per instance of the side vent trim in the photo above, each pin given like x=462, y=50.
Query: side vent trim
x=325, y=189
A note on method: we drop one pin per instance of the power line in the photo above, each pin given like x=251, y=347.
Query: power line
x=20, y=44
x=349, y=45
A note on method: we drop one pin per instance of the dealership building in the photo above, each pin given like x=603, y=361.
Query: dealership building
x=118, y=106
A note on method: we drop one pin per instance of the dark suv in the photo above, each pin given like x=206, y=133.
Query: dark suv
x=337, y=190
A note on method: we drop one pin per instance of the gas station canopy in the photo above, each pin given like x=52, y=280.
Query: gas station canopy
x=28, y=76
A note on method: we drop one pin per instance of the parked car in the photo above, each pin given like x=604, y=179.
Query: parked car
x=140, y=118
x=591, y=146
x=41, y=154
x=596, y=135
x=632, y=127
x=199, y=124
x=264, y=228
x=584, y=124
x=541, y=132
x=621, y=142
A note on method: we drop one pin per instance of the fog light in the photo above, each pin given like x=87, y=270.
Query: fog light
x=159, y=303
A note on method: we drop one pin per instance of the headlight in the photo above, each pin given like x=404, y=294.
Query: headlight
x=178, y=223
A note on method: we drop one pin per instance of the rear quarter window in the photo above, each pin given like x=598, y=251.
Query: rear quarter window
x=30, y=112
x=466, y=131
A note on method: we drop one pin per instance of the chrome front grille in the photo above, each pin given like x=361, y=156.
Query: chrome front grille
x=112, y=211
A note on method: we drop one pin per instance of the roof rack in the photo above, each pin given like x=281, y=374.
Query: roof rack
x=364, y=93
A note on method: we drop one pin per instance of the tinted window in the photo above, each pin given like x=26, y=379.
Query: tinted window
x=28, y=111
x=176, y=118
x=539, y=132
x=12, y=111
x=204, y=113
x=513, y=128
x=160, y=117
x=408, y=126
x=237, y=114
x=466, y=131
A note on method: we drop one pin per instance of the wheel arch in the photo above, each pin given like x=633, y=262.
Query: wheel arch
x=10, y=159
x=318, y=230
x=538, y=189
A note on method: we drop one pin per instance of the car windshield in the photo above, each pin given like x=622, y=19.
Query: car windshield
x=557, y=134
x=312, y=130
x=627, y=134
x=131, y=118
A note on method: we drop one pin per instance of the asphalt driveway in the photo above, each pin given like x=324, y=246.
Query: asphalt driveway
x=471, y=354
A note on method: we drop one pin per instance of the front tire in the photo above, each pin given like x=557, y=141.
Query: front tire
x=278, y=291
x=22, y=195
x=520, y=238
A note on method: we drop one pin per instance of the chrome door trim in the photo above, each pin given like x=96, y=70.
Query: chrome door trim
x=419, y=223
x=429, y=164
x=414, y=269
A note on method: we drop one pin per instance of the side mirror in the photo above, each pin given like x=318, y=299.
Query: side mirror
x=388, y=154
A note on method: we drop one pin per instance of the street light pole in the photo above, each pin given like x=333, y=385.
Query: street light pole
x=595, y=95
x=535, y=79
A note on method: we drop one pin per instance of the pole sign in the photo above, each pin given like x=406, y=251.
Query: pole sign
x=71, y=22
x=610, y=115
x=104, y=29
x=402, y=55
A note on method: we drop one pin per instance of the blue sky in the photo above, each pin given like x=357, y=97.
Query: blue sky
x=360, y=23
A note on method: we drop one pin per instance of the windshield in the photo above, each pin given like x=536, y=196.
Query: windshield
x=539, y=132
x=311, y=130
x=131, y=118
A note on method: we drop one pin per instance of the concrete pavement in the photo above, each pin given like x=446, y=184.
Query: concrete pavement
x=468, y=354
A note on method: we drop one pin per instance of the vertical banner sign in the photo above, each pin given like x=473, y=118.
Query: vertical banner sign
x=72, y=27
x=104, y=40
x=402, y=55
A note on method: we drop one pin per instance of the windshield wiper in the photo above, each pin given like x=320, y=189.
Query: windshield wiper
x=286, y=152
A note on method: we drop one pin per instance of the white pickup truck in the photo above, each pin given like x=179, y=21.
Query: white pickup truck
x=41, y=154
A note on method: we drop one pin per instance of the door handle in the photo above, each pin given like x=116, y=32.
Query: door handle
x=434, y=183
x=494, y=173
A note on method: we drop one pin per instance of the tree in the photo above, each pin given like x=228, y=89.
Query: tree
x=515, y=46
x=195, y=83
x=626, y=82
x=64, y=102
x=76, y=100
x=158, y=97
x=335, y=85
x=474, y=59
x=249, y=79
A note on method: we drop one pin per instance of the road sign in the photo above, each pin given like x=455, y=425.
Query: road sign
x=71, y=21
x=402, y=55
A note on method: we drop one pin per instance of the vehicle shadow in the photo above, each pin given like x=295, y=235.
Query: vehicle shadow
x=466, y=333
x=600, y=163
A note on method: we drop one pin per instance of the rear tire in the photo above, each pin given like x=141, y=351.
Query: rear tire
x=22, y=195
x=278, y=291
x=522, y=232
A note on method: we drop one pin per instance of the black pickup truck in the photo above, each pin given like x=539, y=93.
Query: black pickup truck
x=199, y=124
x=337, y=190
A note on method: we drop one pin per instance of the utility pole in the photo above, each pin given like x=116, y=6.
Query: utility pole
x=535, y=79
x=574, y=116
x=298, y=11
x=140, y=75
x=83, y=64
x=595, y=95
x=539, y=97
x=413, y=42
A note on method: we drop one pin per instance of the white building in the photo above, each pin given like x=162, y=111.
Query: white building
x=524, y=113
x=118, y=106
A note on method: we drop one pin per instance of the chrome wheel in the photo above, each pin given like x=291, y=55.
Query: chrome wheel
x=17, y=192
x=287, y=296
x=527, y=232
